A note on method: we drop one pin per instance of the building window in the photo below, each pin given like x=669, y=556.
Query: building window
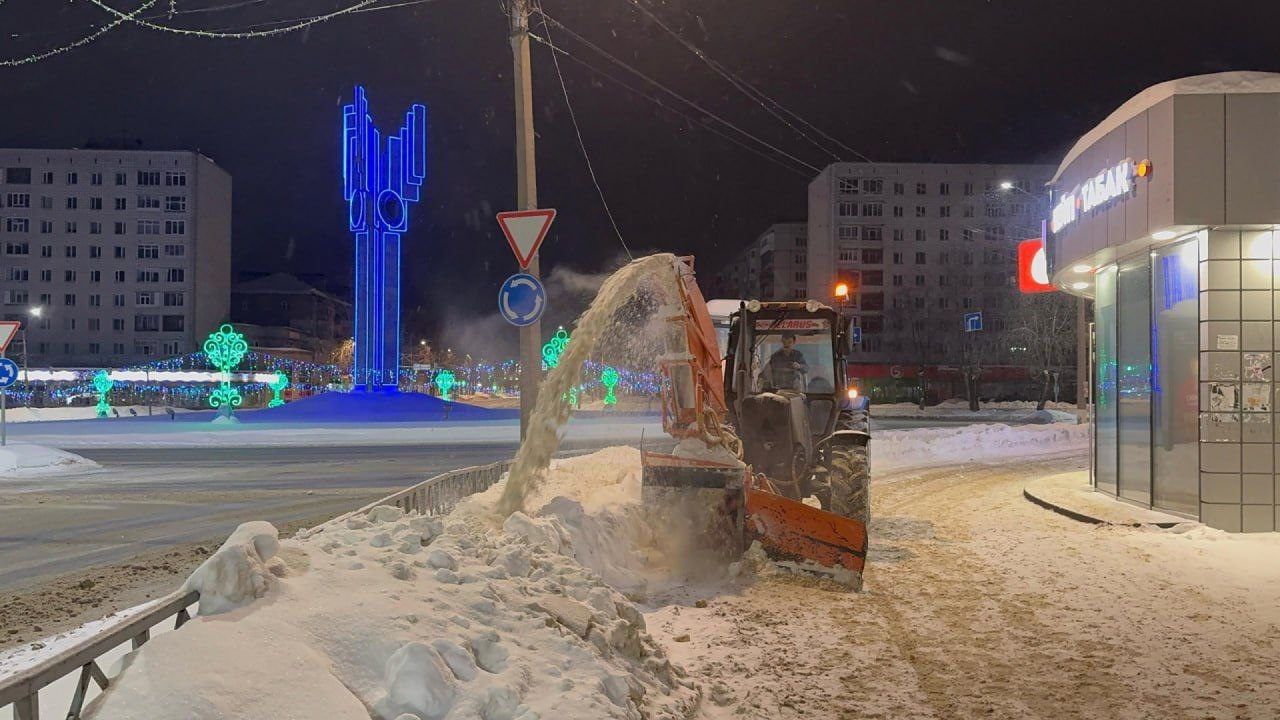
x=966, y=258
x=148, y=276
x=95, y=228
x=19, y=200
x=175, y=203
x=872, y=256
x=95, y=178
x=46, y=202
x=944, y=234
x=70, y=251
x=175, y=179
x=95, y=301
x=171, y=347
x=119, y=277
x=920, y=211
x=122, y=178
x=148, y=252
x=148, y=202
x=148, y=227
x=800, y=276
x=146, y=323
x=897, y=282
x=874, y=233
x=897, y=211
x=920, y=258
x=144, y=299
x=117, y=300
x=15, y=297
x=848, y=186
x=69, y=276
x=873, y=186
x=72, y=227
x=873, y=210
x=967, y=234
x=95, y=203
x=69, y=299
x=848, y=232
x=175, y=227
x=899, y=234
x=848, y=209
x=919, y=234
x=944, y=258
x=17, y=176
x=944, y=281
x=46, y=251
x=46, y=178
x=46, y=227
x=897, y=258
x=920, y=188
x=18, y=274
x=968, y=211
x=944, y=188
x=176, y=275
x=46, y=276
x=944, y=211
x=122, y=203
x=17, y=248
x=72, y=178
x=118, y=252
x=149, y=178
x=177, y=250
x=968, y=189
x=95, y=276
x=95, y=324
x=17, y=225
x=919, y=283
x=176, y=299
x=119, y=228
x=847, y=254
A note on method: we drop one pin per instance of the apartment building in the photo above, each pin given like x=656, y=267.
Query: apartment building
x=772, y=267
x=126, y=254
x=921, y=245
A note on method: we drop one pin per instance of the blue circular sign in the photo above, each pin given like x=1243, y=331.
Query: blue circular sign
x=522, y=299
x=8, y=372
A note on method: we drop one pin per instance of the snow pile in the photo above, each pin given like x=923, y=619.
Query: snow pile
x=1004, y=410
x=25, y=460
x=237, y=573
x=80, y=412
x=899, y=449
x=385, y=615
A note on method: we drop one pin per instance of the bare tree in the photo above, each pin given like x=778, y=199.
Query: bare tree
x=1045, y=324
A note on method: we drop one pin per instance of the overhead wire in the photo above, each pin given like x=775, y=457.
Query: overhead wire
x=240, y=35
x=772, y=106
x=581, y=143
x=15, y=62
x=648, y=79
x=692, y=121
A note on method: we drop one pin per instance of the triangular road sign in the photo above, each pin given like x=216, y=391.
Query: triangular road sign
x=8, y=329
x=525, y=231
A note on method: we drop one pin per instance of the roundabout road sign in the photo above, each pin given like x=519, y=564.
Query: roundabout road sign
x=522, y=299
x=8, y=372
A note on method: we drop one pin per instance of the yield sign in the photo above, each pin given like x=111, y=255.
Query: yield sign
x=525, y=231
x=8, y=328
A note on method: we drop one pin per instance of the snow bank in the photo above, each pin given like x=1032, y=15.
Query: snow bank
x=900, y=449
x=26, y=460
x=1002, y=411
x=386, y=614
x=82, y=412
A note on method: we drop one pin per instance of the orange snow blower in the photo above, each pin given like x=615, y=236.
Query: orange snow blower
x=771, y=425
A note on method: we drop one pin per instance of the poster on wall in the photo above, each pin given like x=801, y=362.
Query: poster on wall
x=1228, y=342
x=1224, y=397
x=1257, y=397
x=1257, y=366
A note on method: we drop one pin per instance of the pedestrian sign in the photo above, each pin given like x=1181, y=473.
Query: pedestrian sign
x=857, y=334
x=525, y=230
x=522, y=299
x=8, y=372
x=8, y=329
x=973, y=321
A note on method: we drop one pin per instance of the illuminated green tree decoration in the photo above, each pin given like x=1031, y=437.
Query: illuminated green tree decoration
x=554, y=348
x=281, y=382
x=225, y=348
x=609, y=378
x=445, y=380
x=103, y=383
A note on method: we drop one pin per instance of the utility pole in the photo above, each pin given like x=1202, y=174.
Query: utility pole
x=526, y=199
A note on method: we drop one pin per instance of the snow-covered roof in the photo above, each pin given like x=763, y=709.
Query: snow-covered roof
x=281, y=284
x=1215, y=83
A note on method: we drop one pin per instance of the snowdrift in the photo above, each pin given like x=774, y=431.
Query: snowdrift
x=902, y=449
x=19, y=460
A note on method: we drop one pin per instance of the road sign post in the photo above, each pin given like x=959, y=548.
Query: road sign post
x=526, y=229
x=522, y=300
x=973, y=321
x=8, y=376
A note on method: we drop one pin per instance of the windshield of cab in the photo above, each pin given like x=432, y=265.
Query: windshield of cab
x=807, y=365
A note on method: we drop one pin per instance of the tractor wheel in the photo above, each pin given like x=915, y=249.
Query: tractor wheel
x=850, y=479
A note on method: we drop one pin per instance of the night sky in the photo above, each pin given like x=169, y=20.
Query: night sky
x=896, y=80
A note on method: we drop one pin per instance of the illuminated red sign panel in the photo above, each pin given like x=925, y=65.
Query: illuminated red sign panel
x=1033, y=267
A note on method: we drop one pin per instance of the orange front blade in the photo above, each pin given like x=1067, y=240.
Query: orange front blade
x=791, y=530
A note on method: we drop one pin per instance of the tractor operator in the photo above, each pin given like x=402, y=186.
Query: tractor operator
x=787, y=367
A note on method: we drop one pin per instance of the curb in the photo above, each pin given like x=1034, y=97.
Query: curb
x=1081, y=517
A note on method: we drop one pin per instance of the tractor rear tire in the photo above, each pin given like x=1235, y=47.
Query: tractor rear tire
x=850, y=479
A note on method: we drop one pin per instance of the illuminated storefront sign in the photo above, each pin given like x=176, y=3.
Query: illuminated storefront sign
x=1110, y=184
x=1033, y=267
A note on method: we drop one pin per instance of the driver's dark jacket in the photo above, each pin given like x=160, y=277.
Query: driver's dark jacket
x=785, y=377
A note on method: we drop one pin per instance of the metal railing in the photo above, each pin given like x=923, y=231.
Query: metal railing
x=435, y=496
x=23, y=689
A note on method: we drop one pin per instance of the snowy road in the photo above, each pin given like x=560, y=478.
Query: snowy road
x=980, y=604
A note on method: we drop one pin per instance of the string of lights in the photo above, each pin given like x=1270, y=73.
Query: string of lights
x=37, y=57
x=136, y=19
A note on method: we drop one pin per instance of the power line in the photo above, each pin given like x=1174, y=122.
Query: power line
x=693, y=122
x=14, y=62
x=751, y=91
x=555, y=60
x=675, y=94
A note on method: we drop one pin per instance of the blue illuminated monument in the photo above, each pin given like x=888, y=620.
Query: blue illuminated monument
x=378, y=184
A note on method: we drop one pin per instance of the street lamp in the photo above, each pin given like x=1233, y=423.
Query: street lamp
x=35, y=311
